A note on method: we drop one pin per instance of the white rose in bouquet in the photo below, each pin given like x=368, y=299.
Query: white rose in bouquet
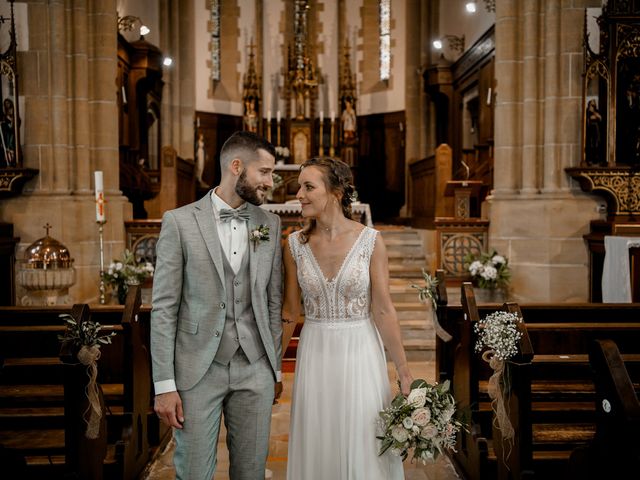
x=399, y=433
x=421, y=416
x=417, y=397
x=430, y=431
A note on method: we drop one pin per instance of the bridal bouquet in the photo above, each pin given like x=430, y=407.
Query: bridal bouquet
x=424, y=421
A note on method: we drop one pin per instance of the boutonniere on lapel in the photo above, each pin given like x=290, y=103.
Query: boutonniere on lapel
x=259, y=234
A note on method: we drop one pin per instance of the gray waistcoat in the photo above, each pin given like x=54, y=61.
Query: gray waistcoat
x=240, y=328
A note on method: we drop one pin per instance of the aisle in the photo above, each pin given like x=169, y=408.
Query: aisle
x=162, y=468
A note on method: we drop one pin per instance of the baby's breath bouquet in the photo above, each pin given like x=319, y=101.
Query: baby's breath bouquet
x=499, y=332
x=498, y=336
x=424, y=421
x=488, y=270
x=125, y=272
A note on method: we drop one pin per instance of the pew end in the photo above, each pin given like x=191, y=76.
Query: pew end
x=615, y=448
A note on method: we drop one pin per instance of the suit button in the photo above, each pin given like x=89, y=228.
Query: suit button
x=236, y=282
x=217, y=333
x=237, y=302
x=221, y=304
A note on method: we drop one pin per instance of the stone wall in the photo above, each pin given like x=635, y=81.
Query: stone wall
x=538, y=215
x=68, y=81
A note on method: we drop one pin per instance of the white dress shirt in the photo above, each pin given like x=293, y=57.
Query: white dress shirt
x=234, y=239
x=233, y=235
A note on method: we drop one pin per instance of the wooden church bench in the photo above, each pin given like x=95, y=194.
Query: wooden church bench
x=33, y=393
x=552, y=398
x=614, y=451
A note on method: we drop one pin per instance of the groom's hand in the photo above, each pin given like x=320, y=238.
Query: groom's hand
x=168, y=407
x=278, y=392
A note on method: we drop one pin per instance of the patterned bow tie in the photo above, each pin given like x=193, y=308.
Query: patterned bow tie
x=226, y=214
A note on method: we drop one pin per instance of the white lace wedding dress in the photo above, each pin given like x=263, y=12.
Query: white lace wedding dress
x=341, y=380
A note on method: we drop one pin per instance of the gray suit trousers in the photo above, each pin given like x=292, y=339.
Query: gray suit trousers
x=244, y=392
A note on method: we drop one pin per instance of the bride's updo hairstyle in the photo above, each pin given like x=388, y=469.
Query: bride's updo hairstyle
x=338, y=180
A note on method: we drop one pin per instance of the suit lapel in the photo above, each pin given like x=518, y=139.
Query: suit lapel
x=255, y=220
x=207, y=224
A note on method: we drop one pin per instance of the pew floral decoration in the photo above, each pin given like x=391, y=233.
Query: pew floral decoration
x=424, y=421
x=86, y=336
x=488, y=270
x=428, y=292
x=498, y=335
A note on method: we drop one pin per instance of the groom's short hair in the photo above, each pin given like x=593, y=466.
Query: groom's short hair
x=245, y=146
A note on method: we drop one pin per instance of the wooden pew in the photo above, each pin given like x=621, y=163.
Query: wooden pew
x=552, y=396
x=32, y=395
x=614, y=451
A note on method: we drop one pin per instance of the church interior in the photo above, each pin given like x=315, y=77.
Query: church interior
x=495, y=144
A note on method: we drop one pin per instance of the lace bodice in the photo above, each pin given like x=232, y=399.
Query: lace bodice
x=346, y=297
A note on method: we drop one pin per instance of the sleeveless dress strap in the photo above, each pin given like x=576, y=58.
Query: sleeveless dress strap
x=294, y=245
x=369, y=241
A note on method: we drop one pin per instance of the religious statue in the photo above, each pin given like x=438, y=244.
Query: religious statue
x=200, y=160
x=348, y=120
x=303, y=83
x=250, y=115
x=7, y=132
x=593, y=141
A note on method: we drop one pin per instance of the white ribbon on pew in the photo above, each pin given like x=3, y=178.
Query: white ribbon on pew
x=498, y=387
x=89, y=356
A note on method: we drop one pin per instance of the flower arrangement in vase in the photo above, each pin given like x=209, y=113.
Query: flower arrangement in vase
x=489, y=271
x=125, y=272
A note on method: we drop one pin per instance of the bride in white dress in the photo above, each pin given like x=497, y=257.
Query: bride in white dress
x=341, y=382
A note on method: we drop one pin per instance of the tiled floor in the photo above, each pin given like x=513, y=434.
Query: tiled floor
x=162, y=468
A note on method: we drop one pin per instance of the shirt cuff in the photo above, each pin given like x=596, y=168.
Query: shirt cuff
x=278, y=376
x=165, y=386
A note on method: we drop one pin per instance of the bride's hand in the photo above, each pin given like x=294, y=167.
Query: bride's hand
x=406, y=379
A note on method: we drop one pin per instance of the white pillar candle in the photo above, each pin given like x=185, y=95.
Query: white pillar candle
x=99, y=186
x=321, y=116
x=333, y=116
x=278, y=116
x=268, y=115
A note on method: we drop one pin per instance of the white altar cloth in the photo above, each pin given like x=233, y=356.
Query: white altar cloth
x=294, y=208
x=616, y=272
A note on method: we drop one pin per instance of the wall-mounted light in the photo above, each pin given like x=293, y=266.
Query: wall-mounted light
x=455, y=43
x=128, y=22
x=167, y=62
x=489, y=5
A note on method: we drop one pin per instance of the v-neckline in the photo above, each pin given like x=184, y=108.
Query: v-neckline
x=342, y=265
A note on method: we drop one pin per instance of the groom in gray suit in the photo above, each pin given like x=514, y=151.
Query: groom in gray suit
x=216, y=327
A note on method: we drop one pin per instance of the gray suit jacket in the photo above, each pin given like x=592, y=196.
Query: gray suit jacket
x=188, y=311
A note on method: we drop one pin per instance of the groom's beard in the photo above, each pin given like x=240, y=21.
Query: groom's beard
x=248, y=192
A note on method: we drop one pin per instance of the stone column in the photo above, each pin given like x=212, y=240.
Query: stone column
x=67, y=79
x=508, y=112
x=177, y=40
x=538, y=216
